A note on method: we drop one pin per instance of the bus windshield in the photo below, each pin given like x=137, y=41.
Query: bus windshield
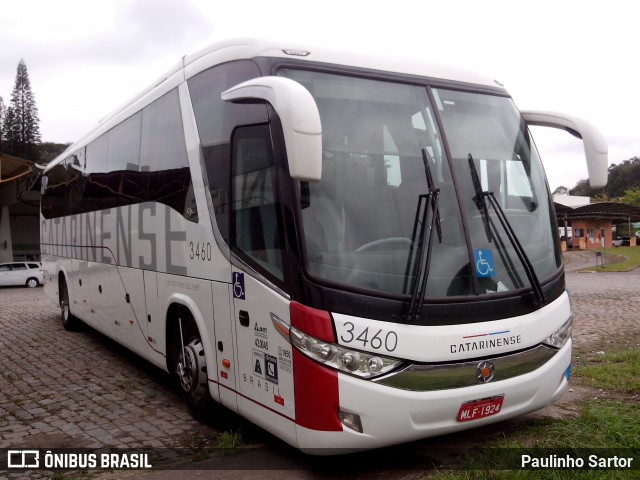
x=380, y=140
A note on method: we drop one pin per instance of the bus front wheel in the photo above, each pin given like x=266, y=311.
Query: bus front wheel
x=191, y=371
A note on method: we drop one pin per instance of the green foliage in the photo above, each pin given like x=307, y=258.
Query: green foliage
x=2, y=110
x=50, y=150
x=601, y=425
x=20, y=125
x=622, y=178
x=229, y=442
x=619, y=371
x=632, y=196
x=582, y=188
x=631, y=260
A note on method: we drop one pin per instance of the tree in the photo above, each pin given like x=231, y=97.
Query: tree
x=2, y=109
x=21, y=124
x=632, y=196
x=561, y=190
x=50, y=150
x=621, y=177
x=582, y=188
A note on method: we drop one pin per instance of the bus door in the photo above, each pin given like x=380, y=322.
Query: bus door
x=226, y=363
x=264, y=357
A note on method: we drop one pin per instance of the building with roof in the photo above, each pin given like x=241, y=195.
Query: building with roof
x=19, y=209
x=592, y=225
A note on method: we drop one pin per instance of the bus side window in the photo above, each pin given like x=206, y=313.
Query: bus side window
x=256, y=224
x=216, y=120
x=165, y=176
x=53, y=200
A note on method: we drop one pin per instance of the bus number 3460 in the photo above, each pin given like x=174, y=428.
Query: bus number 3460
x=389, y=340
x=201, y=251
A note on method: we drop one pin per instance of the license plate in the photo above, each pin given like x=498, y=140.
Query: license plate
x=480, y=408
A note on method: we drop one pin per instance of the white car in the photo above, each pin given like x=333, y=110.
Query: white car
x=28, y=274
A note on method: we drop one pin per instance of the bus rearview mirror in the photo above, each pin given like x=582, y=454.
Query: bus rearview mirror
x=299, y=116
x=595, y=146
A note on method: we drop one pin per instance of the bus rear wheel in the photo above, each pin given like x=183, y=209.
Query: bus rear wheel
x=191, y=372
x=69, y=321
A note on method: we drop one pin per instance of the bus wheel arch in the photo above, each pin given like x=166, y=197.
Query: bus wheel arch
x=186, y=360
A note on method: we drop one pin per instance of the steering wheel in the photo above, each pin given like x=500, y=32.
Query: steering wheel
x=401, y=241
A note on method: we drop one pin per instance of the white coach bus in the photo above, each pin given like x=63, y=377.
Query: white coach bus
x=351, y=251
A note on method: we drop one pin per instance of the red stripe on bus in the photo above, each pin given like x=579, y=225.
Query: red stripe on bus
x=312, y=321
x=316, y=387
x=316, y=395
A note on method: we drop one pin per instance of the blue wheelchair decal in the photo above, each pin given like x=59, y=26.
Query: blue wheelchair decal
x=238, y=285
x=485, y=268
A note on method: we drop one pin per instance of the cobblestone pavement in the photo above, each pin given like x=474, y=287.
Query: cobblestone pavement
x=78, y=389
x=606, y=306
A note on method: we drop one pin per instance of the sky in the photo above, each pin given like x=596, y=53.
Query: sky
x=87, y=57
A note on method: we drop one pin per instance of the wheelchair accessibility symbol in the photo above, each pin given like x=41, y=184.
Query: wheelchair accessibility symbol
x=238, y=285
x=485, y=267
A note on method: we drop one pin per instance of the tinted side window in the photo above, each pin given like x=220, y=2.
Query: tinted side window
x=257, y=228
x=164, y=165
x=142, y=159
x=53, y=200
x=96, y=195
x=124, y=145
x=216, y=120
x=75, y=186
x=118, y=184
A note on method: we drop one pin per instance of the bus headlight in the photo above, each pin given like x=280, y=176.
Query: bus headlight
x=560, y=336
x=356, y=362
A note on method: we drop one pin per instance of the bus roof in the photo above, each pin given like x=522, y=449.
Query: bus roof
x=246, y=48
x=400, y=63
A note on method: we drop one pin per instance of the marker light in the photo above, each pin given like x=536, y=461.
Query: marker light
x=560, y=336
x=351, y=420
x=296, y=53
x=358, y=363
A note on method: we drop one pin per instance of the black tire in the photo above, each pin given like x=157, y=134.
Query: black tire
x=191, y=372
x=32, y=282
x=69, y=321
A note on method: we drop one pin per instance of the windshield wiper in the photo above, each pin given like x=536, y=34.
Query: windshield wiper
x=436, y=192
x=479, y=197
x=480, y=200
x=420, y=267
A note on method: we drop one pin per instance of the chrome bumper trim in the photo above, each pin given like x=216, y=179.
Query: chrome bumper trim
x=427, y=377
